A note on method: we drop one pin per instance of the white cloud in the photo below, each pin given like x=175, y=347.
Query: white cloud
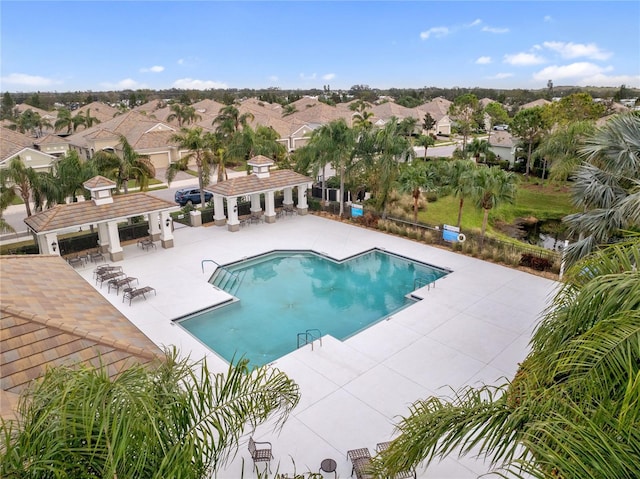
x=193, y=84
x=523, y=59
x=308, y=77
x=126, y=84
x=29, y=81
x=576, y=50
x=548, y=18
x=585, y=74
x=475, y=23
x=329, y=76
x=574, y=71
x=495, y=30
x=181, y=61
x=437, y=32
x=153, y=69
x=500, y=76
x=483, y=60
x=273, y=78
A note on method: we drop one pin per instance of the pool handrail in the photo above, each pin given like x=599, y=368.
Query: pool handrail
x=306, y=336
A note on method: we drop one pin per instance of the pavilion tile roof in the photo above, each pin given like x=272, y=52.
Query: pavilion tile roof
x=12, y=142
x=98, y=181
x=87, y=212
x=51, y=316
x=50, y=139
x=245, y=185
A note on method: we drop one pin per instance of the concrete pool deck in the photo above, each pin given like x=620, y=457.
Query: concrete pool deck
x=473, y=327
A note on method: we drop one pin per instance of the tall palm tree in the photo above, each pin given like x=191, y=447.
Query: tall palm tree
x=64, y=120
x=414, y=178
x=84, y=119
x=391, y=147
x=65, y=181
x=201, y=148
x=425, y=141
x=459, y=180
x=606, y=185
x=128, y=165
x=168, y=419
x=572, y=408
x=185, y=114
x=230, y=120
x=492, y=187
x=21, y=180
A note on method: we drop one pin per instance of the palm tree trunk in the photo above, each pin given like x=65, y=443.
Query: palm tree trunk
x=415, y=206
x=460, y=212
x=341, y=191
x=485, y=220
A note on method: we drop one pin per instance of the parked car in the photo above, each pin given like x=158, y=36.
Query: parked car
x=501, y=127
x=191, y=196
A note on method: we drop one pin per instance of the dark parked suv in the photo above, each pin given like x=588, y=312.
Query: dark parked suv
x=188, y=196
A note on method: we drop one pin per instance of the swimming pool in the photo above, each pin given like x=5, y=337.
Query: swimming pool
x=283, y=293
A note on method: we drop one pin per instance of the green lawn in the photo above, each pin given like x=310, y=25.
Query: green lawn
x=544, y=203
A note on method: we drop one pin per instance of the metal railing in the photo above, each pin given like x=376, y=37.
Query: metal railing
x=308, y=338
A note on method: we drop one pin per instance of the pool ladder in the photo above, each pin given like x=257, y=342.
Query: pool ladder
x=308, y=337
x=422, y=281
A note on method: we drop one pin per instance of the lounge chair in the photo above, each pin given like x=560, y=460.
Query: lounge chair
x=133, y=293
x=360, y=460
x=382, y=446
x=260, y=452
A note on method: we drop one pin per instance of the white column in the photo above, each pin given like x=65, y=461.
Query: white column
x=233, y=224
x=303, y=206
x=255, y=203
x=166, y=235
x=115, y=249
x=154, y=225
x=288, y=196
x=269, y=207
x=47, y=242
x=103, y=237
x=219, y=218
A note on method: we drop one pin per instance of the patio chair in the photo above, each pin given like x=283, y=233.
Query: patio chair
x=260, y=452
x=360, y=460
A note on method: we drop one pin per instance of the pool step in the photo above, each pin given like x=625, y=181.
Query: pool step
x=227, y=280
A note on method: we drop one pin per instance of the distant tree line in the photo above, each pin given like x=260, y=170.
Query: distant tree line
x=408, y=97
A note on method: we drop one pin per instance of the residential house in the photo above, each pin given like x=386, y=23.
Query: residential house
x=503, y=145
x=14, y=144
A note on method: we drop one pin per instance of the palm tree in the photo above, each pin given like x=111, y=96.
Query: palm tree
x=561, y=148
x=7, y=195
x=492, y=187
x=606, y=185
x=30, y=121
x=414, y=178
x=332, y=143
x=64, y=120
x=478, y=148
x=167, y=419
x=362, y=120
x=464, y=111
x=229, y=120
x=185, y=114
x=126, y=166
x=201, y=148
x=459, y=181
x=425, y=141
x=572, y=408
x=65, y=181
x=390, y=148
x=21, y=180
x=85, y=120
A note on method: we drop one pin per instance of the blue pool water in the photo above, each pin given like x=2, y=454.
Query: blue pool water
x=282, y=294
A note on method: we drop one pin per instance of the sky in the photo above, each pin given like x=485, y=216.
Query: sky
x=117, y=45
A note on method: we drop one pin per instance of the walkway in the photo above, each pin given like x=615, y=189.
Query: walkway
x=474, y=326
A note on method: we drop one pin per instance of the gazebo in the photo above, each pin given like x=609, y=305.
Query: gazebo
x=104, y=210
x=261, y=181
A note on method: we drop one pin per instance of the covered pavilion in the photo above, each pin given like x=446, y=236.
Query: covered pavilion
x=104, y=210
x=261, y=181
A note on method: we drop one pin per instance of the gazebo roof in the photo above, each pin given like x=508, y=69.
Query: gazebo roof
x=87, y=212
x=250, y=184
